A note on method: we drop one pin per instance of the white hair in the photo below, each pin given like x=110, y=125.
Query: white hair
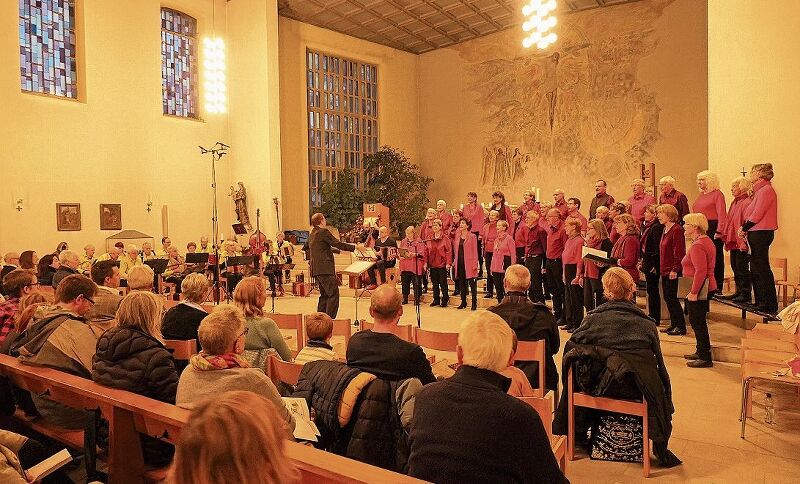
x=485, y=340
x=637, y=182
x=67, y=255
x=518, y=277
x=668, y=180
x=441, y=201
x=711, y=178
x=131, y=248
x=140, y=277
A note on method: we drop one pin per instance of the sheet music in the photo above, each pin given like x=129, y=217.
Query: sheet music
x=595, y=252
x=304, y=428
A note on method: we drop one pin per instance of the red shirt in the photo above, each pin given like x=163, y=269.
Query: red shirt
x=735, y=220
x=527, y=206
x=579, y=216
x=447, y=220
x=520, y=234
x=763, y=210
x=8, y=310
x=535, y=241
x=417, y=264
x=573, y=249
x=440, y=252
x=489, y=234
x=590, y=269
x=639, y=203
x=712, y=205
x=474, y=213
x=672, y=249
x=677, y=199
x=698, y=263
x=556, y=238
x=626, y=251
x=562, y=207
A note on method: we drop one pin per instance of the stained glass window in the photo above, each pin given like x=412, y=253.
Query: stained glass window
x=179, y=77
x=342, y=104
x=47, y=47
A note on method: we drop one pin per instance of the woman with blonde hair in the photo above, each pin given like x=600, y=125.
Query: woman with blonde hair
x=503, y=255
x=132, y=357
x=572, y=270
x=182, y=320
x=596, y=238
x=711, y=203
x=625, y=252
x=741, y=189
x=698, y=263
x=235, y=438
x=250, y=296
x=488, y=236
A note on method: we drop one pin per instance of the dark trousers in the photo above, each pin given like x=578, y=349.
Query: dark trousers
x=719, y=261
x=381, y=266
x=554, y=279
x=480, y=254
x=288, y=272
x=670, y=289
x=424, y=278
x=498, y=278
x=697, y=318
x=489, y=283
x=273, y=276
x=740, y=264
x=328, y=294
x=592, y=293
x=573, y=298
x=471, y=285
x=439, y=280
x=407, y=278
x=652, y=280
x=534, y=265
x=761, y=273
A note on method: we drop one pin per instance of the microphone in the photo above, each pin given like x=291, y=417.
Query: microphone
x=223, y=145
x=202, y=150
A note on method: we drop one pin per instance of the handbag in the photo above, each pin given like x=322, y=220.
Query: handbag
x=617, y=438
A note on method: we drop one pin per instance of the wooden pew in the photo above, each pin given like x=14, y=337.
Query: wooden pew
x=129, y=414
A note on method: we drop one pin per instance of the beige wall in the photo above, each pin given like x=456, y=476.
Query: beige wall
x=491, y=92
x=116, y=146
x=397, y=104
x=754, y=103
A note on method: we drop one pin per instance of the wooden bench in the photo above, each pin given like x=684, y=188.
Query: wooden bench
x=129, y=414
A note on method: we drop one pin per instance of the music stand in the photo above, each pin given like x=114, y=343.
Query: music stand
x=239, y=229
x=158, y=266
x=197, y=258
x=274, y=270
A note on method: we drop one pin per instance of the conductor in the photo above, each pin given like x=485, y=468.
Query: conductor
x=322, y=244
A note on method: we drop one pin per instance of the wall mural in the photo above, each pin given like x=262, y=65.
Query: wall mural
x=580, y=108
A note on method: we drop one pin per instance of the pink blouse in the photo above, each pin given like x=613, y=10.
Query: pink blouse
x=712, y=205
x=503, y=248
x=698, y=263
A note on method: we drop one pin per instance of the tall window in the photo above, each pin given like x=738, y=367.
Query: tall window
x=179, y=63
x=47, y=47
x=342, y=118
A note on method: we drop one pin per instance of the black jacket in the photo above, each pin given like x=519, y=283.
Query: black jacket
x=389, y=357
x=650, y=246
x=532, y=322
x=467, y=429
x=61, y=274
x=181, y=322
x=321, y=245
x=46, y=278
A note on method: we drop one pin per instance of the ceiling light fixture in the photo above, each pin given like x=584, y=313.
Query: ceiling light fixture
x=539, y=22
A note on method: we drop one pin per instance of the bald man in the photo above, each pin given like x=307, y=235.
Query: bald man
x=379, y=351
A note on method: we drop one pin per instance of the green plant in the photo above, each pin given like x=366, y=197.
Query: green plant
x=398, y=184
x=341, y=201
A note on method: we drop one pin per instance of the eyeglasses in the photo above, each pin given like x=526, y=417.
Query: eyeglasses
x=244, y=333
x=33, y=284
x=91, y=301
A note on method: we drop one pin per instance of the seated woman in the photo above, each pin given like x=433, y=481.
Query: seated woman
x=220, y=367
x=250, y=296
x=625, y=340
x=132, y=357
x=237, y=437
x=46, y=269
x=183, y=320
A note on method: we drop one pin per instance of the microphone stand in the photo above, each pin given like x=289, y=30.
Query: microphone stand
x=217, y=152
x=418, y=280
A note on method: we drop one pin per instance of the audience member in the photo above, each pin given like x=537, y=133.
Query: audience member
x=11, y=262
x=106, y=275
x=220, y=367
x=698, y=263
x=468, y=429
x=62, y=339
x=235, y=438
x=140, y=278
x=596, y=238
x=319, y=330
x=87, y=259
x=619, y=328
x=17, y=283
x=761, y=222
x=379, y=351
x=530, y=321
x=250, y=296
x=671, y=250
x=741, y=189
x=31, y=307
x=68, y=265
x=183, y=320
x=18, y=453
x=46, y=269
x=520, y=385
x=672, y=196
x=132, y=357
x=601, y=198
x=28, y=260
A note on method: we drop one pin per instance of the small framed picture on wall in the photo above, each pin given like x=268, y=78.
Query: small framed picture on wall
x=110, y=216
x=68, y=217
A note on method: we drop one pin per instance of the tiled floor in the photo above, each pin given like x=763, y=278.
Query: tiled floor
x=706, y=426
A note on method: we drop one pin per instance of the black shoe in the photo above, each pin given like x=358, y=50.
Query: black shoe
x=742, y=298
x=434, y=303
x=405, y=300
x=693, y=356
x=767, y=309
x=676, y=332
x=667, y=329
x=456, y=293
x=570, y=329
x=700, y=364
x=444, y=303
x=463, y=305
x=561, y=323
x=474, y=305
x=729, y=297
x=488, y=295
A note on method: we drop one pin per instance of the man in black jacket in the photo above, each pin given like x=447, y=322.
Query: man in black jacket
x=468, y=429
x=531, y=321
x=322, y=244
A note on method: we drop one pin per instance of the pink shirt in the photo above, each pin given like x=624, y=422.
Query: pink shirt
x=425, y=230
x=527, y=206
x=474, y=213
x=470, y=255
x=503, y=248
x=572, y=253
x=447, y=220
x=579, y=216
x=415, y=265
x=440, y=252
x=590, y=269
x=639, y=203
x=698, y=263
x=520, y=385
x=488, y=235
x=763, y=210
x=626, y=251
x=712, y=205
x=735, y=221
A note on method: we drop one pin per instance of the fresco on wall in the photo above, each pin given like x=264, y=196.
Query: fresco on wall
x=577, y=107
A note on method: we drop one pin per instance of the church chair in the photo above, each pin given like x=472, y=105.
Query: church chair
x=280, y=371
x=291, y=322
x=435, y=340
x=181, y=349
x=753, y=372
x=780, y=268
x=544, y=407
x=628, y=407
x=535, y=351
x=402, y=331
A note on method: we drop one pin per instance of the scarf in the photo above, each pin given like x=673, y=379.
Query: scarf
x=204, y=362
